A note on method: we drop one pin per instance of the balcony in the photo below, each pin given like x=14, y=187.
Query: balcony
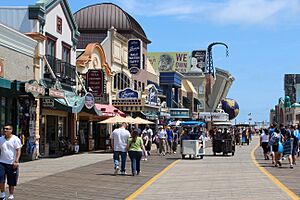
x=64, y=71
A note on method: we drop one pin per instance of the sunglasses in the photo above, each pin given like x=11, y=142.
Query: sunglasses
x=6, y=129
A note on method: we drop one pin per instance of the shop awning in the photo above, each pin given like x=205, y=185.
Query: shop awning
x=72, y=100
x=109, y=110
x=189, y=87
x=4, y=83
x=197, y=101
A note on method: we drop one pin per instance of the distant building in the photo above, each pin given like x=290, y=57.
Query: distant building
x=292, y=87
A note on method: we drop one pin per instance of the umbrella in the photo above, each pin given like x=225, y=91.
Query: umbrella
x=139, y=120
x=116, y=119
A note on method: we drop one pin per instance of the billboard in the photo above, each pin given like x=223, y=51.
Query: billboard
x=169, y=61
x=198, y=61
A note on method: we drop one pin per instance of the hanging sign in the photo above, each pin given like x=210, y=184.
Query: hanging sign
x=134, y=55
x=89, y=100
x=35, y=89
x=95, y=82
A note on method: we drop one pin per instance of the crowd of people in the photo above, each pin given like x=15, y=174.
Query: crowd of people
x=279, y=142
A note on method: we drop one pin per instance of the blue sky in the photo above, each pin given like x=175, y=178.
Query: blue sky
x=263, y=38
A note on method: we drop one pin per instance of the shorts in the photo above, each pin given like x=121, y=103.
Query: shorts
x=265, y=147
x=7, y=171
x=275, y=148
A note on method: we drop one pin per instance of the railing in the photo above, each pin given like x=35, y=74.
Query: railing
x=64, y=71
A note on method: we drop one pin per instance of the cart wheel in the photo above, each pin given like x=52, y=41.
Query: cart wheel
x=214, y=153
x=201, y=157
x=232, y=153
x=183, y=156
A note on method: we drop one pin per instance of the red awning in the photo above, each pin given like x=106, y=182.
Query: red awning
x=109, y=110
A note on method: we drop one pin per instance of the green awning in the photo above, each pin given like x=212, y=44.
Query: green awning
x=72, y=100
x=4, y=83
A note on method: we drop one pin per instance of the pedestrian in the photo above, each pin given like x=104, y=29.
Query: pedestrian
x=264, y=143
x=10, y=146
x=119, y=140
x=148, y=131
x=170, y=136
x=175, y=139
x=276, y=142
x=147, y=143
x=135, y=149
x=296, y=137
x=288, y=146
x=162, y=135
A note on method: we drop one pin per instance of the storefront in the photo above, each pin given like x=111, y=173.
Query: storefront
x=95, y=77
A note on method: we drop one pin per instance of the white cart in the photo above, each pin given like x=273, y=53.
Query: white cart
x=192, y=148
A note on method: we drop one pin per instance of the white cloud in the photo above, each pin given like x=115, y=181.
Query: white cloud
x=245, y=12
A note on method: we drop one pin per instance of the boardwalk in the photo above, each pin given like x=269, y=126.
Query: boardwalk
x=89, y=176
x=215, y=178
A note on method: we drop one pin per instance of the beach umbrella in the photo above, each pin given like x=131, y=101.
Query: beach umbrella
x=116, y=119
x=139, y=120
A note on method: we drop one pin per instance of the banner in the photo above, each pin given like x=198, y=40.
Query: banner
x=169, y=61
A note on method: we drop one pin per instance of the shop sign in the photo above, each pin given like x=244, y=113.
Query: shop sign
x=128, y=94
x=48, y=103
x=134, y=55
x=200, y=61
x=95, y=82
x=1, y=68
x=35, y=89
x=56, y=93
x=179, y=113
x=89, y=100
x=152, y=96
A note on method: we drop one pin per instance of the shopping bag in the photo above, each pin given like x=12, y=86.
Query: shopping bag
x=280, y=147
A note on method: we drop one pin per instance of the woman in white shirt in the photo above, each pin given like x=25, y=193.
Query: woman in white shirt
x=264, y=141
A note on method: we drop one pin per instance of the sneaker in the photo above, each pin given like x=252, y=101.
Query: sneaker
x=116, y=171
x=11, y=197
x=123, y=173
x=145, y=159
x=291, y=166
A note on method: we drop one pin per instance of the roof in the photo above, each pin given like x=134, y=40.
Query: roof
x=101, y=17
x=150, y=68
x=183, y=90
x=42, y=7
